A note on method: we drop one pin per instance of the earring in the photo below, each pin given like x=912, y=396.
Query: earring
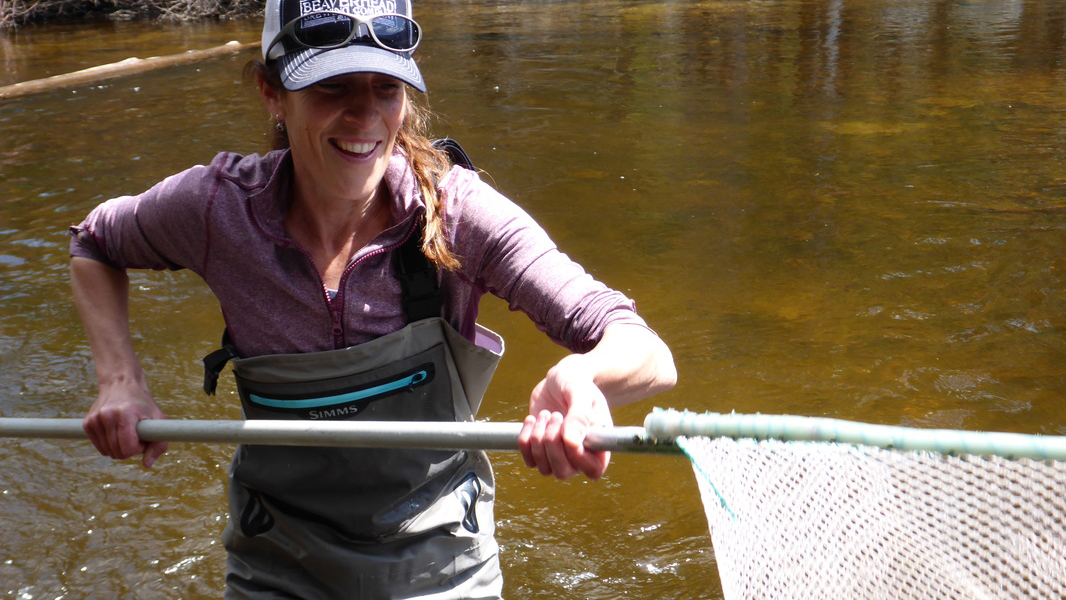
x=280, y=126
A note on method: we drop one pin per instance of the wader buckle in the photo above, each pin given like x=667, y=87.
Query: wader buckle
x=215, y=362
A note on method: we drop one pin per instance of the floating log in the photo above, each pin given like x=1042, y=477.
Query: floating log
x=122, y=68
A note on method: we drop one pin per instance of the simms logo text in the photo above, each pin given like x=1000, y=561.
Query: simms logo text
x=334, y=413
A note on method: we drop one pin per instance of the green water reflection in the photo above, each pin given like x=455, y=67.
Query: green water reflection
x=835, y=208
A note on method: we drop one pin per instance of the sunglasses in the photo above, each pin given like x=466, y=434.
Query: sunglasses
x=330, y=29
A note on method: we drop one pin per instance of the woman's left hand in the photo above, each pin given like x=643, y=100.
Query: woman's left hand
x=629, y=363
x=562, y=408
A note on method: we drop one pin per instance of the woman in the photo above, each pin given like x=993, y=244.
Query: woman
x=318, y=256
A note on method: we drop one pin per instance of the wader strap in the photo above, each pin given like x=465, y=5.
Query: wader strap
x=215, y=362
x=422, y=298
x=454, y=151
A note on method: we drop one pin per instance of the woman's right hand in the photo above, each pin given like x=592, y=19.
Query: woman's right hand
x=112, y=422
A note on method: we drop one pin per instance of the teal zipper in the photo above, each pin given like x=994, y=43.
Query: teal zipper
x=346, y=398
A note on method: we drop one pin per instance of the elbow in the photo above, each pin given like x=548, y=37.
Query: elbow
x=661, y=371
x=665, y=371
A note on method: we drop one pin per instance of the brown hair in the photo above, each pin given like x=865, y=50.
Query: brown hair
x=429, y=164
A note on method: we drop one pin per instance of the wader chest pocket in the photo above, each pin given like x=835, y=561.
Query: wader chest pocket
x=338, y=398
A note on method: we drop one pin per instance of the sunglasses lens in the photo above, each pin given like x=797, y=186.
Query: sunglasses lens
x=396, y=32
x=323, y=30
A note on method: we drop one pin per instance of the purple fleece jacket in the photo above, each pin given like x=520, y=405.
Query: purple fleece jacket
x=224, y=221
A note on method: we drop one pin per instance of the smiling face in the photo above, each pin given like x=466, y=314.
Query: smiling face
x=342, y=132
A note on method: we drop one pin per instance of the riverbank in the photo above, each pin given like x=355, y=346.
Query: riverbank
x=15, y=13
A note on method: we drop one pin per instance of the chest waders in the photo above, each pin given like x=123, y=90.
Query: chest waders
x=353, y=523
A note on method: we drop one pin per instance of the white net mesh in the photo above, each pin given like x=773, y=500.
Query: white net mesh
x=824, y=520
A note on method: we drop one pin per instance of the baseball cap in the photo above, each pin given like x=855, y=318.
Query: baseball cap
x=302, y=65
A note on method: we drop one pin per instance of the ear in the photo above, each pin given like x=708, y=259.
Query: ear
x=272, y=97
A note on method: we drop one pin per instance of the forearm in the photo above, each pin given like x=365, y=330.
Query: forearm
x=101, y=294
x=629, y=364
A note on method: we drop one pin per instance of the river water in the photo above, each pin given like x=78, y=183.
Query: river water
x=844, y=208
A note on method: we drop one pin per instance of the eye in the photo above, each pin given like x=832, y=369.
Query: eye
x=388, y=89
x=330, y=87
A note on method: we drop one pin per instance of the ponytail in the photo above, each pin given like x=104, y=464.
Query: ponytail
x=429, y=166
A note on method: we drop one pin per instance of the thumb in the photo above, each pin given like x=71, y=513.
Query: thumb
x=153, y=451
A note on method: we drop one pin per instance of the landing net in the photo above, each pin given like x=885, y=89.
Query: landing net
x=795, y=513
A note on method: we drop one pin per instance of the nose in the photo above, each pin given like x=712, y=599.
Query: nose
x=361, y=103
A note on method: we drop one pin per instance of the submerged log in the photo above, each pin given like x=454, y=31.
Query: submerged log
x=122, y=68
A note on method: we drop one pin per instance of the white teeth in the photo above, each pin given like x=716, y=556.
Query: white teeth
x=355, y=148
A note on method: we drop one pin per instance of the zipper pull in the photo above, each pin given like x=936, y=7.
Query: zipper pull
x=338, y=330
